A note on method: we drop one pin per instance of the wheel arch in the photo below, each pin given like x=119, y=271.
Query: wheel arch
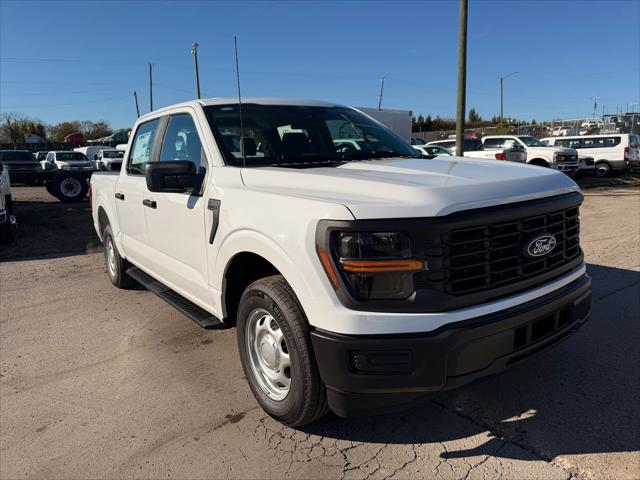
x=541, y=162
x=243, y=258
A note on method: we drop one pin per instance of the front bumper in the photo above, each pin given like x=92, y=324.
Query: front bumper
x=369, y=374
x=567, y=167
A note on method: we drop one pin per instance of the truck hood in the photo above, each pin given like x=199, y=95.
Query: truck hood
x=550, y=150
x=404, y=188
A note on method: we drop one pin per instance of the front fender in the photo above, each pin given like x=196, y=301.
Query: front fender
x=251, y=241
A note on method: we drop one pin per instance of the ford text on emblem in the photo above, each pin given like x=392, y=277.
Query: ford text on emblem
x=540, y=246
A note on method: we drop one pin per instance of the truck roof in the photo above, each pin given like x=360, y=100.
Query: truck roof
x=247, y=100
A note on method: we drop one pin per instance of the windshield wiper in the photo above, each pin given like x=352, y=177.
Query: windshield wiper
x=378, y=155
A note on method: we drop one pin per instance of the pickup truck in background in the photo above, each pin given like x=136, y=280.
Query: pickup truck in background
x=563, y=159
x=358, y=279
x=7, y=218
x=109, y=159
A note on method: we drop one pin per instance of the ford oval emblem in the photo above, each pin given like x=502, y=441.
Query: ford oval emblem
x=540, y=246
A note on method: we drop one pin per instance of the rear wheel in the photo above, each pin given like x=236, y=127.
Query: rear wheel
x=116, y=265
x=603, y=169
x=276, y=353
x=539, y=162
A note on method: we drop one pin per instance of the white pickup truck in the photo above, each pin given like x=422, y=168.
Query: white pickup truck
x=563, y=159
x=358, y=280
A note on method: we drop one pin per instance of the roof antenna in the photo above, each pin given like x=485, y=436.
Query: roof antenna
x=244, y=158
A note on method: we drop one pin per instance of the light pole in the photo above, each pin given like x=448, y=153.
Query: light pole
x=502, y=79
x=462, y=77
x=194, y=52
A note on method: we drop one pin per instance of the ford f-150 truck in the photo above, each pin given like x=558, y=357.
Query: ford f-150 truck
x=563, y=159
x=358, y=280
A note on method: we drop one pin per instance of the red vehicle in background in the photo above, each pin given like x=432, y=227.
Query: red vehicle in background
x=76, y=137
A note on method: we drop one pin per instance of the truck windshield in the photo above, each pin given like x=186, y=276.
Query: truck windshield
x=112, y=154
x=298, y=135
x=531, y=142
x=71, y=157
x=16, y=156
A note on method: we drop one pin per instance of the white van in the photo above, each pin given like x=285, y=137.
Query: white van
x=91, y=152
x=614, y=151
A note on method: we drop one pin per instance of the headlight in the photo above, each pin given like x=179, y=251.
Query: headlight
x=372, y=265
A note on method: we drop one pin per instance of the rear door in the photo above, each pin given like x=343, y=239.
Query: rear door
x=131, y=190
x=176, y=222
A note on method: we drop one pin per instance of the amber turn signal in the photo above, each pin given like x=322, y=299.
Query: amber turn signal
x=328, y=266
x=382, y=266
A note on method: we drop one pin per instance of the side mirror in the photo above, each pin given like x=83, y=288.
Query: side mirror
x=173, y=176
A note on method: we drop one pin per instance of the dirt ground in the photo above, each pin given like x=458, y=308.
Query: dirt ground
x=97, y=382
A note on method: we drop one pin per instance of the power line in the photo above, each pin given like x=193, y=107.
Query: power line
x=68, y=93
x=4, y=107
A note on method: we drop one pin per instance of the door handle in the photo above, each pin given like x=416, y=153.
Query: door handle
x=149, y=203
x=119, y=196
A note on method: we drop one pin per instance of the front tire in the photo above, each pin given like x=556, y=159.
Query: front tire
x=277, y=355
x=603, y=169
x=116, y=265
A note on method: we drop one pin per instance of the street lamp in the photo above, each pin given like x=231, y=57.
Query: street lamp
x=501, y=96
x=194, y=52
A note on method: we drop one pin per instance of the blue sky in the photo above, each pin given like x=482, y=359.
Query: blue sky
x=82, y=60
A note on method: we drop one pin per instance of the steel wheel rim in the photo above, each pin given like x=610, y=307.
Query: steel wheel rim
x=111, y=258
x=70, y=187
x=268, y=354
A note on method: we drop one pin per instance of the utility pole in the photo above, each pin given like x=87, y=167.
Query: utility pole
x=462, y=77
x=194, y=52
x=595, y=106
x=150, y=88
x=381, y=92
x=501, y=96
x=135, y=96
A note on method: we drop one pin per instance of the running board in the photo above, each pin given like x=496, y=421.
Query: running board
x=187, y=307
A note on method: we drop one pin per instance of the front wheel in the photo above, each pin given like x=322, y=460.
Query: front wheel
x=276, y=353
x=603, y=169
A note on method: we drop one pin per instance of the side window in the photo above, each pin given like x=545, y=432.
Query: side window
x=50, y=157
x=492, y=143
x=575, y=143
x=509, y=143
x=141, y=149
x=181, y=141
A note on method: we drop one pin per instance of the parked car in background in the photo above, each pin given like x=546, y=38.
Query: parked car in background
x=109, y=159
x=470, y=144
x=432, y=150
x=7, y=218
x=611, y=152
x=563, y=159
x=586, y=165
x=357, y=281
x=23, y=166
x=70, y=160
x=91, y=152
x=418, y=141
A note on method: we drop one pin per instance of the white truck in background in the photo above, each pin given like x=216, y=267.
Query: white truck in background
x=563, y=159
x=7, y=218
x=358, y=279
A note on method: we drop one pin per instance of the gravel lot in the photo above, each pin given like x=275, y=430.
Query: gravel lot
x=101, y=383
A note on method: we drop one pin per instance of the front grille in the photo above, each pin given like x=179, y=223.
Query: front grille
x=490, y=256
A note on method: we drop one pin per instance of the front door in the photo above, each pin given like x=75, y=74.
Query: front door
x=176, y=221
x=131, y=190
